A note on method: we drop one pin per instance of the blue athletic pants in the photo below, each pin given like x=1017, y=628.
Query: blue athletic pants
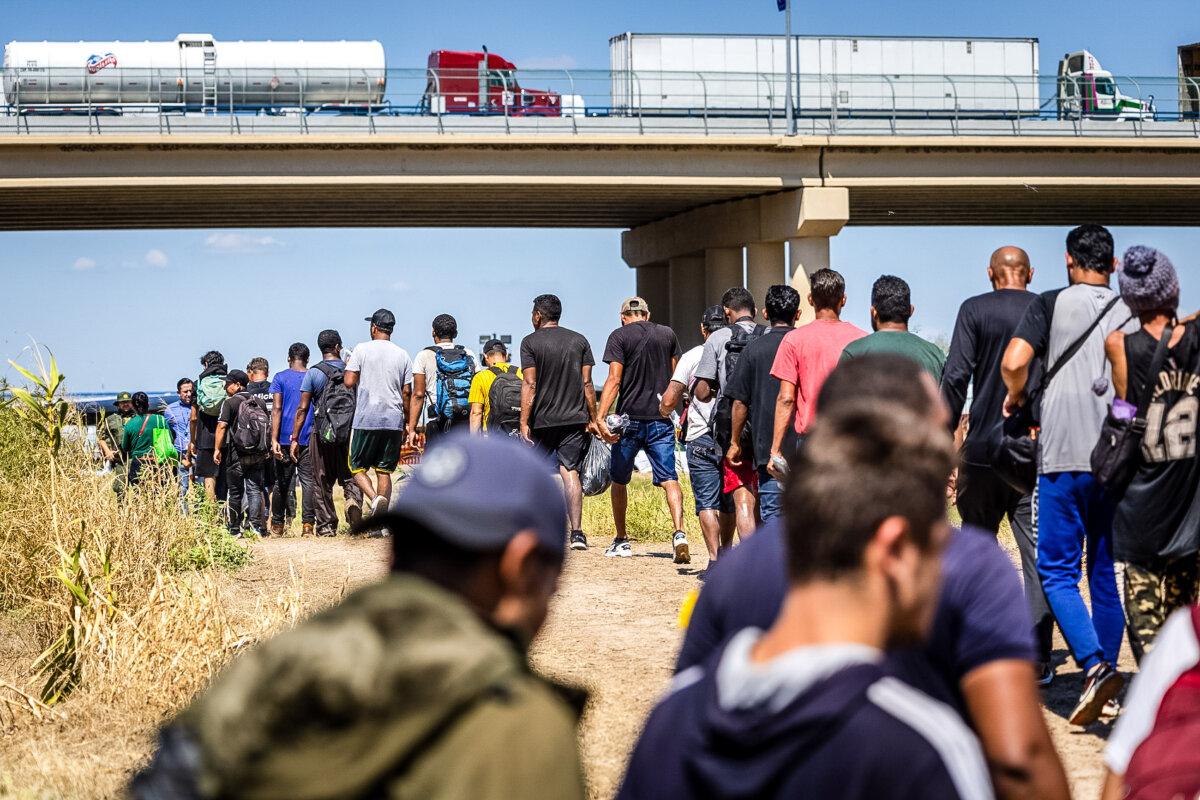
x=1073, y=512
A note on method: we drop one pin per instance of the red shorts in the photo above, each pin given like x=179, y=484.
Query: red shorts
x=736, y=477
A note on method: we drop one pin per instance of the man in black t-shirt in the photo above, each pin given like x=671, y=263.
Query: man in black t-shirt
x=641, y=355
x=754, y=391
x=558, y=401
x=244, y=473
x=982, y=332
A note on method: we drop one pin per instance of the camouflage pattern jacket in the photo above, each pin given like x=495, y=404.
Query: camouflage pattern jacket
x=401, y=691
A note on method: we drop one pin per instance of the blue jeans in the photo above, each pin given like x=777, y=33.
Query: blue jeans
x=185, y=485
x=657, y=438
x=704, y=467
x=1071, y=511
x=770, y=495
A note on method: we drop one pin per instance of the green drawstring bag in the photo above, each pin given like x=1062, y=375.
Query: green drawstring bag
x=164, y=446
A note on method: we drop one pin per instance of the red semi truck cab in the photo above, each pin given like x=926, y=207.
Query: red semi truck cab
x=460, y=83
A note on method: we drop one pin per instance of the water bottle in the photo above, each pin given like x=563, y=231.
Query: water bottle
x=616, y=422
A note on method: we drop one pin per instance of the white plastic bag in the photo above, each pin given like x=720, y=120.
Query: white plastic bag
x=596, y=474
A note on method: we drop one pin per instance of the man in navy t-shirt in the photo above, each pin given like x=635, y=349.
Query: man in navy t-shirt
x=979, y=655
x=806, y=708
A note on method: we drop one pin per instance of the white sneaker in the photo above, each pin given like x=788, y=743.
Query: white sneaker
x=620, y=548
x=372, y=508
x=680, y=543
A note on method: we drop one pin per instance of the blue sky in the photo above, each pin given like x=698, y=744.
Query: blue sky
x=134, y=309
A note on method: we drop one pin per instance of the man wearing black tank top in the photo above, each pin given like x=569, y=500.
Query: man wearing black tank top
x=1156, y=527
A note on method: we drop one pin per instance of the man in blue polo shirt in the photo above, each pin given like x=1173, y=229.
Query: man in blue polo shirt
x=806, y=708
x=179, y=417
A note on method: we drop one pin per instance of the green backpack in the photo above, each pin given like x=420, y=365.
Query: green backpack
x=210, y=394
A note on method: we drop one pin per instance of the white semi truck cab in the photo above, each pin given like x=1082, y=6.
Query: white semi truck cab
x=1085, y=89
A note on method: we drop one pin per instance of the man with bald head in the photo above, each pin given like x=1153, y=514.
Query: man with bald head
x=984, y=327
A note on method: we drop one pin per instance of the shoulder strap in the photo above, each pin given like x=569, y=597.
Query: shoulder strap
x=1160, y=355
x=641, y=345
x=1070, y=352
x=145, y=419
x=497, y=371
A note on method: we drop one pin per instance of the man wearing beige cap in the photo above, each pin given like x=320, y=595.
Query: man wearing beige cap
x=641, y=355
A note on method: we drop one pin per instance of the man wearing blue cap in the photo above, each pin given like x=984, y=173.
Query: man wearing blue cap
x=417, y=686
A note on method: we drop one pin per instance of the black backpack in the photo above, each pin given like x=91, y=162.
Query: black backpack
x=504, y=401
x=334, y=412
x=722, y=418
x=252, y=429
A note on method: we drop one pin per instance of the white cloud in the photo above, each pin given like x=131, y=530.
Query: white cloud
x=156, y=258
x=84, y=263
x=400, y=286
x=227, y=242
x=563, y=61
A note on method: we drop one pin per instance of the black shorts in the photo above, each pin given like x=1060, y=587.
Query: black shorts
x=205, y=466
x=568, y=444
x=377, y=450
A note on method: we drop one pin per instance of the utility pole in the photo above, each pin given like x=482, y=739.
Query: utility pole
x=788, y=109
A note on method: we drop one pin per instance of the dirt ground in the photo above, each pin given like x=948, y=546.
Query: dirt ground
x=614, y=630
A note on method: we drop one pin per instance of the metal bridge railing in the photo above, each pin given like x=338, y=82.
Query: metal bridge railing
x=249, y=101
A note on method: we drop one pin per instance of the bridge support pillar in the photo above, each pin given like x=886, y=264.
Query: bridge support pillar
x=654, y=286
x=806, y=256
x=687, y=299
x=765, y=267
x=722, y=270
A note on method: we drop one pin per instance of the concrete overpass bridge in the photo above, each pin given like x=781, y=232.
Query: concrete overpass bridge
x=696, y=209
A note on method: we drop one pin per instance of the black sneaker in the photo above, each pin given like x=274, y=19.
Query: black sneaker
x=1101, y=685
x=578, y=540
x=1045, y=673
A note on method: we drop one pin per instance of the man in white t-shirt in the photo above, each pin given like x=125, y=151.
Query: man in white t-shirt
x=713, y=506
x=460, y=367
x=381, y=372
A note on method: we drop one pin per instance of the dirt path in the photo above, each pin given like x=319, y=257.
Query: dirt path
x=613, y=629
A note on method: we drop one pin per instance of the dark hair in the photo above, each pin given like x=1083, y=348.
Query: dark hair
x=141, y=403
x=861, y=464
x=549, y=306
x=211, y=359
x=891, y=299
x=828, y=289
x=329, y=341
x=896, y=377
x=738, y=298
x=782, y=303
x=1091, y=248
x=258, y=363
x=298, y=352
x=445, y=326
x=179, y=384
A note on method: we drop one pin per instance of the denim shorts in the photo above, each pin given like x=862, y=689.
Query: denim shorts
x=704, y=467
x=657, y=438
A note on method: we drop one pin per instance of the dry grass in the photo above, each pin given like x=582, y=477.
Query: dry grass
x=648, y=519
x=112, y=614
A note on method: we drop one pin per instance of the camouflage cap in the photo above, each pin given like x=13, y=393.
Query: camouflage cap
x=124, y=397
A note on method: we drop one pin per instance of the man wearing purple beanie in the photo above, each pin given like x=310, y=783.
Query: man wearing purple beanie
x=1156, y=528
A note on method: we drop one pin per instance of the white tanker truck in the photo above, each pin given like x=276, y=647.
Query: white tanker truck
x=194, y=72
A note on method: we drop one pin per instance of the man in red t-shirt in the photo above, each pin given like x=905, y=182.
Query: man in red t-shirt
x=806, y=357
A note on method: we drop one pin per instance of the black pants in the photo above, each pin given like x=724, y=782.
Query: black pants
x=437, y=427
x=329, y=465
x=984, y=500
x=247, y=495
x=283, y=495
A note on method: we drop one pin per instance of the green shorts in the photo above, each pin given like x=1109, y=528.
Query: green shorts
x=377, y=450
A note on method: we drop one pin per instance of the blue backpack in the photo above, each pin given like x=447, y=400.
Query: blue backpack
x=455, y=369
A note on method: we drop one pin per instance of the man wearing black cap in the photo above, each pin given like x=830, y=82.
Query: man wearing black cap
x=382, y=374
x=713, y=506
x=245, y=473
x=419, y=685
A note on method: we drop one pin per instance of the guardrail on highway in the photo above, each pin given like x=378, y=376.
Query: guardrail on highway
x=123, y=100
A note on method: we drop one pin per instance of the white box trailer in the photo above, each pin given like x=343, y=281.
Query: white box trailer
x=676, y=73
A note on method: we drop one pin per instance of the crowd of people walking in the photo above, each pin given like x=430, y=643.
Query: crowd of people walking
x=853, y=644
